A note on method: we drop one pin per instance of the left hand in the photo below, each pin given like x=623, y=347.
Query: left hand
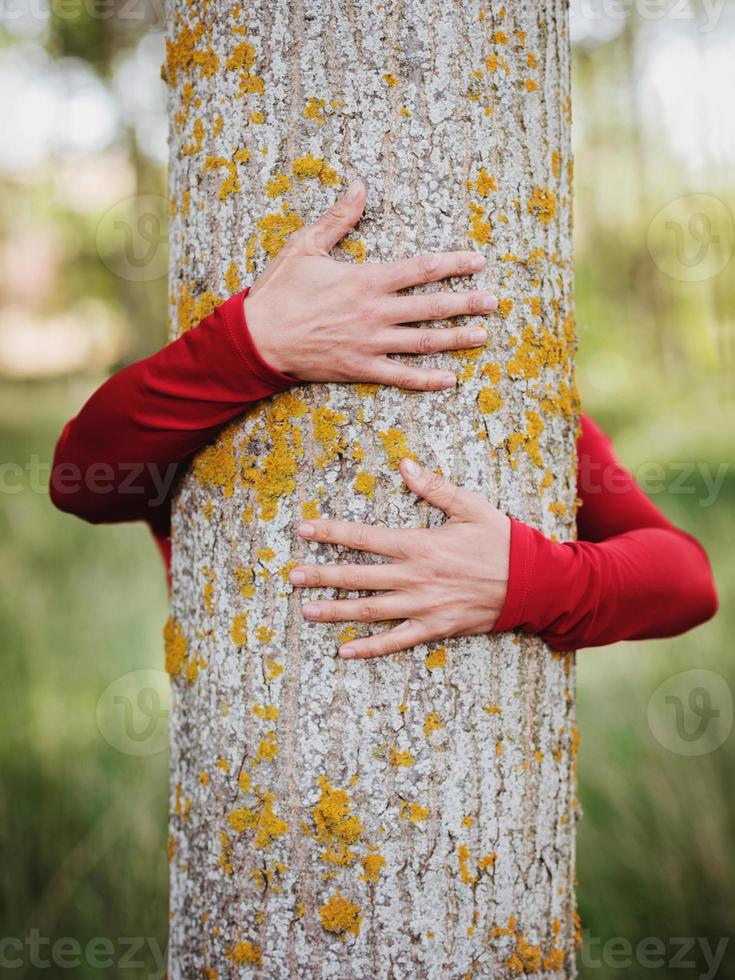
x=443, y=581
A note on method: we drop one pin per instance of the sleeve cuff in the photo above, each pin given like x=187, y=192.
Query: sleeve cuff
x=238, y=332
x=519, y=577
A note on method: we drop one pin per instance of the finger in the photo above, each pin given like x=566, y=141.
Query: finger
x=352, y=577
x=439, y=491
x=407, y=634
x=430, y=268
x=341, y=218
x=372, y=609
x=385, y=371
x=361, y=537
x=439, y=306
x=411, y=340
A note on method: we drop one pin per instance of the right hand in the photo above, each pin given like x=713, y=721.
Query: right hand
x=322, y=320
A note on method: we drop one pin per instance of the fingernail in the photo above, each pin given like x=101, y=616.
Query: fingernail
x=449, y=380
x=477, y=262
x=411, y=467
x=477, y=335
x=310, y=609
x=297, y=577
x=489, y=302
x=306, y=530
x=347, y=652
x=353, y=190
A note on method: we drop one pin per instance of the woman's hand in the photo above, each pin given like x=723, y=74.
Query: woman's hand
x=444, y=581
x=322, y=320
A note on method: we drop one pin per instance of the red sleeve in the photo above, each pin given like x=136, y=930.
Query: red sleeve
x=118, y=459
x=631, y=576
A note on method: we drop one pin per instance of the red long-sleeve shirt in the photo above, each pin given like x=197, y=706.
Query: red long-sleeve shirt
x=631, y=574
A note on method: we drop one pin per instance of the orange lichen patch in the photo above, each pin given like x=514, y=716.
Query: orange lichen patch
x=530, y=84
x=273, y=476
x=204, y=778
x=268, y=711
x=414, y=812
x=268, y=748
x=314, y=109
x=232, y=278
x=480, y=228
x=484, y=183
x=175, y=647
x=263, y=820
x=276, y=227
x=373, y=864
x=489, y=401
x=180, y=51
x=265, y=634
x=245, y=578
x=347, y=634
x=310, y=508
x=274, y=669
x=390, y=80
x=244, y=782
x=463, y=856
x=366, y=391
x=246, y=953
x=257, y=118
x=556, y=163
x=554, y=960
x=526, y=958
x=395, y=446
x=492, y=709
x=231, y=182
x=170, y=848
x=432, y=723
x=326, y=422
x=404, y=111
x=277, y=185
x=542, y=204
x=311, y=167
x=215, y=466
x=436, y=659
x=528, y=440
x=190, y=149
x=340, y=915
x=537, y=351
x=335, y=825
x=190, y=311
x=356, y=248
x=500, y=37
x=487, y=861
x=558, y=508
x=401, y=758
x=365, y=483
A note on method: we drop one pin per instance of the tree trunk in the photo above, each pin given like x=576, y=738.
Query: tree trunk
x=411, y=816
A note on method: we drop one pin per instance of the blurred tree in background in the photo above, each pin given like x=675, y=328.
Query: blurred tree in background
x=82, y=292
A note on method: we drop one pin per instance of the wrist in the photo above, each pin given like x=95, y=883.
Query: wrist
x=261, y=335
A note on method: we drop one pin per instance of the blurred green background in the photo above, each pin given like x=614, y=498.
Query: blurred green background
x=82, y=820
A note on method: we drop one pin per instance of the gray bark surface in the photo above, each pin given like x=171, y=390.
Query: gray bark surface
x=411, y=816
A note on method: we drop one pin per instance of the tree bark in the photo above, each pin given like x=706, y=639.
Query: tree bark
x=411, y=816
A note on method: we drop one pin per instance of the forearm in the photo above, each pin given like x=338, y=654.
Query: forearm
x=645, y=583
x=119, y=458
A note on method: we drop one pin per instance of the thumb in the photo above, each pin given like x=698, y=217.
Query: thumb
x=437, y=490
x=341, y=218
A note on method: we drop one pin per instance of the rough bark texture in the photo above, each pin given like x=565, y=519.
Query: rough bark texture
x=411, y=816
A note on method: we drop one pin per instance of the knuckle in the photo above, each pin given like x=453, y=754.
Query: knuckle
x=439, y=307
x=427, y=342
x=315, y=578
x=336, y=214
x=406, y=380
x=464, y=265
x=474, y=303
x=361, y=537
x=428, y=266
x=371, y=280
x=368, y=313
x=434, y=483
x=369, y=611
